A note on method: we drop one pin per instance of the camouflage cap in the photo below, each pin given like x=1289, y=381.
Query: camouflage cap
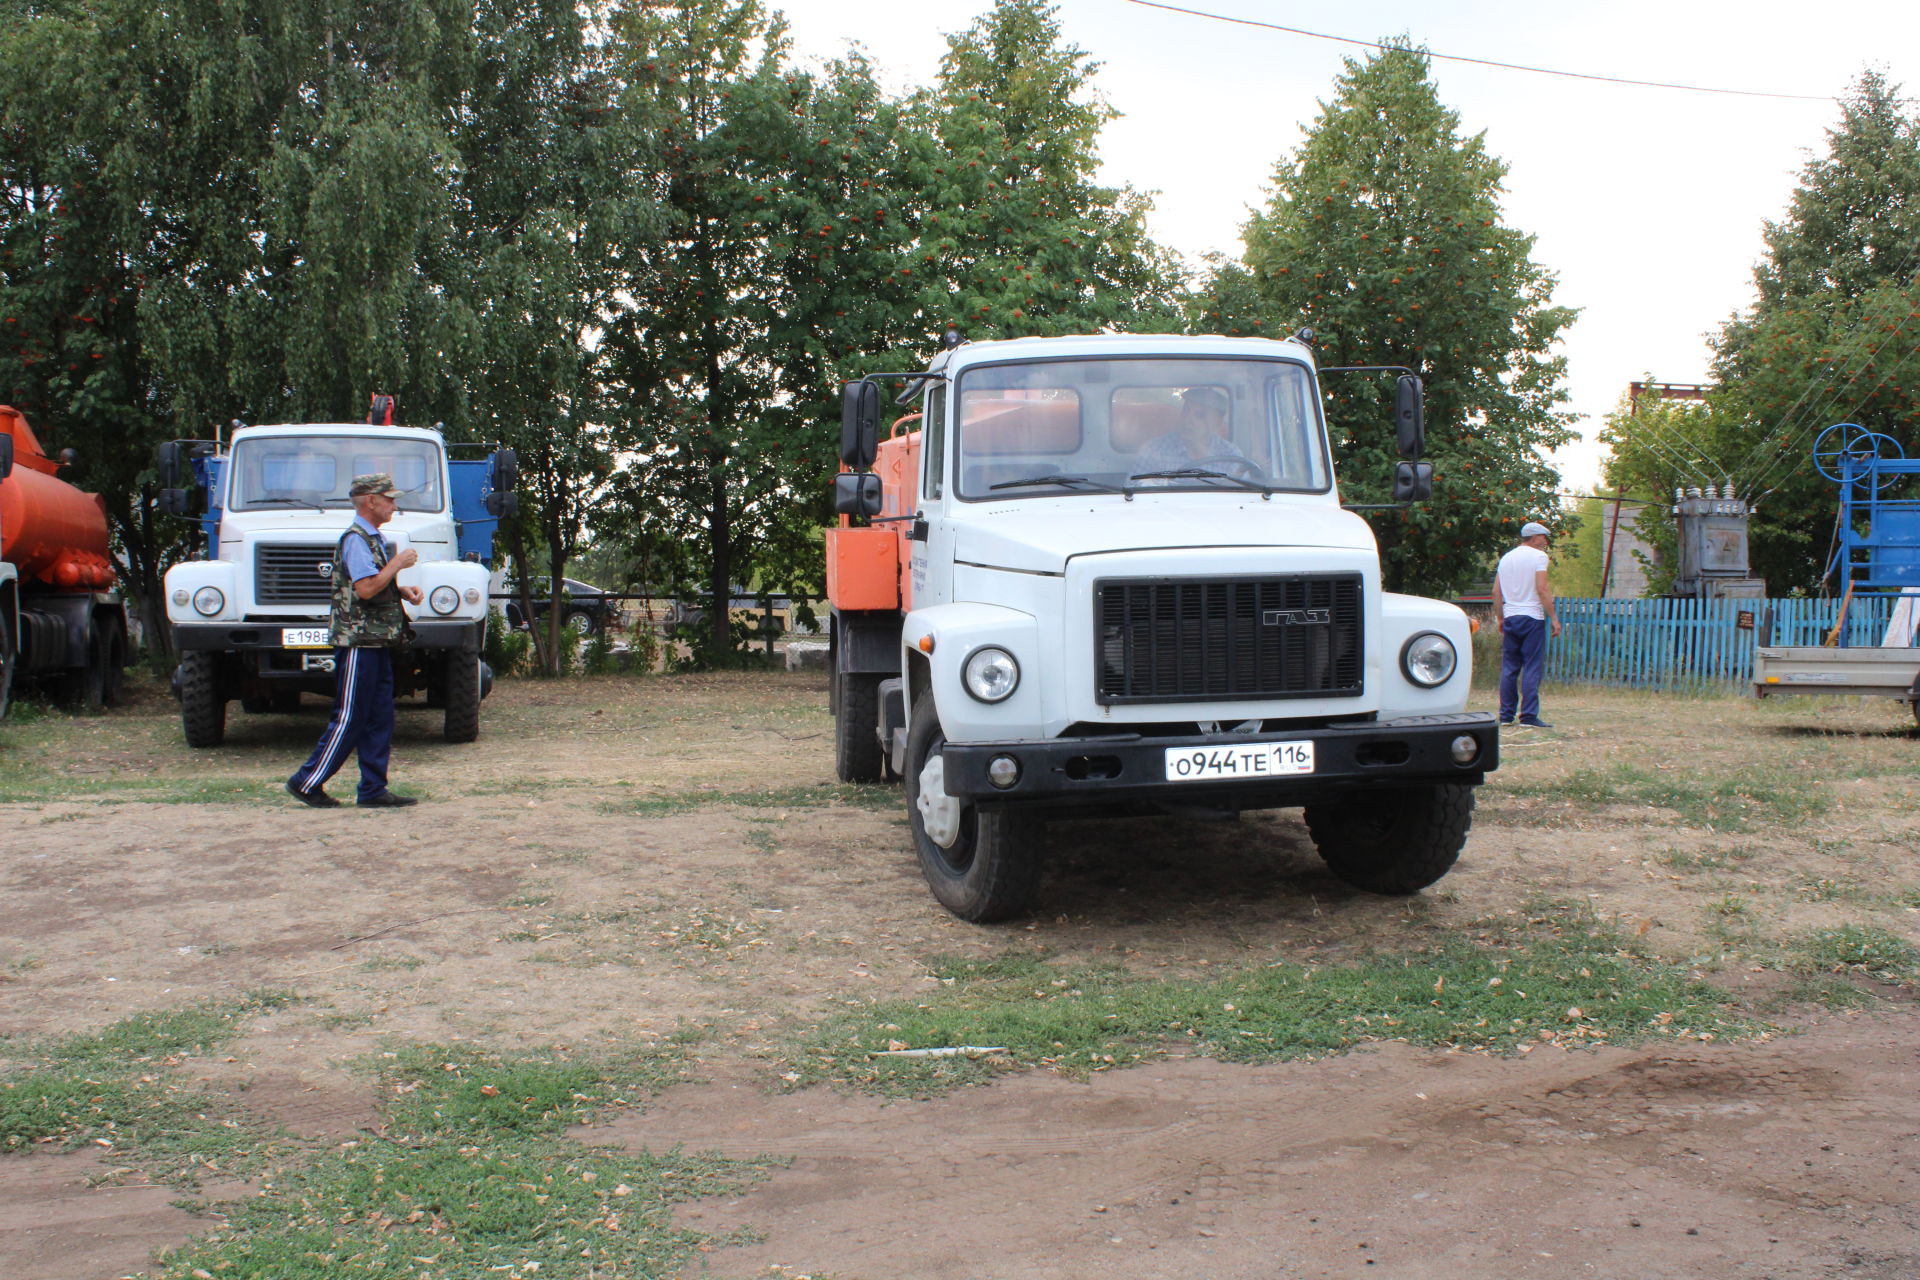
x=379, y=482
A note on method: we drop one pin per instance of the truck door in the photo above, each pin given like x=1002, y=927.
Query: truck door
x=932, y=551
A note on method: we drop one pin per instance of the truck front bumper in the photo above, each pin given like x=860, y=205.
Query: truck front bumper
x=1132, y=768
x=233, y=636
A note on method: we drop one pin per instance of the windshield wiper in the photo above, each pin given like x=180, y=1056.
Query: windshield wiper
x=1201, y=473
x=1031, y=481
x=285, y=502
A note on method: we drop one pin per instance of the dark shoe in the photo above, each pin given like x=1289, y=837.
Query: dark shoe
x=1536, y=724
x=387, y=800
x=318, y=798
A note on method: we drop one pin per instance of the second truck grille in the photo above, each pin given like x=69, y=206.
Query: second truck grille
x=1200, y=640
x=293, y=574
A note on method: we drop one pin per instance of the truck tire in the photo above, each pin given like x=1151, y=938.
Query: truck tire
x=110, y=655
x=463, y=696
x=84, y=688
x=856, y=727
x=203, y=706
x=982, y=866
x=9, y=655
x=1393, y=841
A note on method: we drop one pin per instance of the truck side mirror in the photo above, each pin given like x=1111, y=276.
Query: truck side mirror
x=168, y=460
x=172, y=502
x=859, y=424
x=501, y=503
x=504, y=471
x=6, y=456
x=1412, y=481
x=857, y=493
x=1410, y=415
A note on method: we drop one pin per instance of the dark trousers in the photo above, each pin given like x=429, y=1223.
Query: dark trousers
x=362, y=722
x=1523, y=656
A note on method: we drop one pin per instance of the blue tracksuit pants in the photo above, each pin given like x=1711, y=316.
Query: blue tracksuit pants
x=1523, y=656
x=362, y=721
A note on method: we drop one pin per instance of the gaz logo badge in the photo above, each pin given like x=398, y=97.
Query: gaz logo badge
x=1295, y=617
x=324, y=568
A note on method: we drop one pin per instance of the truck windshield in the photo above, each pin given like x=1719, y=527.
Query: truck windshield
x=314, y=471
x=1138, y=423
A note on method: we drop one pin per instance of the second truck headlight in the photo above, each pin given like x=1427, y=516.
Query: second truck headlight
x=1428, y=659
x=990, y=674
x=444, y=599
x=208, y=601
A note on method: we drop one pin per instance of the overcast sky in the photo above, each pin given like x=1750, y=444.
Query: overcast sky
x=1647, y=203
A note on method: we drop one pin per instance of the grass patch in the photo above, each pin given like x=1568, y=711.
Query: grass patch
x=824, y=796
x=130, y=789
x=1567, y=986
x=473, y=1177
x=116, y=1088
x=1747, y=801
x=457, y=1089
x=1858, y=948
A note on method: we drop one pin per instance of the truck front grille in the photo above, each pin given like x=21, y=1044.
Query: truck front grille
x=1206, y=640
x=293, y=574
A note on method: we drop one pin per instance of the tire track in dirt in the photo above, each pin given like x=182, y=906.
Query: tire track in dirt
x=1679, y=1160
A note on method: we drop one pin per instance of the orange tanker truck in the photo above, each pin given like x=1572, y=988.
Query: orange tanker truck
x=61, y=622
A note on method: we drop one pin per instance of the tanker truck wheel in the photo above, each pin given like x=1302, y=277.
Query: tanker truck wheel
x=982, y=866
x=1394, y=841
x=110, y=656
x=8, y=651
x=84, y=688
x=203, y=707
x=462, y=696
x=856, y=727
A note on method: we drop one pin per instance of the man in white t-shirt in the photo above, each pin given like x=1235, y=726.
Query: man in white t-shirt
x=1522, y=612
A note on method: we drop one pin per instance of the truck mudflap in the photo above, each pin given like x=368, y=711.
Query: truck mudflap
x=1264, y=770
x=312, y=637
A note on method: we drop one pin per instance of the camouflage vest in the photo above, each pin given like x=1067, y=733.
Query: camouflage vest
x=378, y=620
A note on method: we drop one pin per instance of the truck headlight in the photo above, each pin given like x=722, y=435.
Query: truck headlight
x=1428, y=659
x=208, y=601
x=444, y=599
x=990, y=674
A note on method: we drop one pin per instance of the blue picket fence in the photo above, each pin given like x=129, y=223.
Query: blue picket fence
x=1693, y=644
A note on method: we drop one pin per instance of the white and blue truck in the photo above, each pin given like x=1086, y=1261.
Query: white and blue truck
x=250, y=616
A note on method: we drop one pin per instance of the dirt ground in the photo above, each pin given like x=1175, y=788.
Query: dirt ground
x=617, y=861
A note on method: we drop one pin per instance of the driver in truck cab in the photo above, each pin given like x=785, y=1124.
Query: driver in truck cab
x=1202, y=436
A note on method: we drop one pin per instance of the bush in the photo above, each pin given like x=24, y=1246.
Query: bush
x=504, y=649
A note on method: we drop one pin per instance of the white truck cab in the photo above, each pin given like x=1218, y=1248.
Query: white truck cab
x=1112, y=574
x=251, y=619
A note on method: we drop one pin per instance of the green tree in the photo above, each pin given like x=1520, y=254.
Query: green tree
x=779, y=266
x=1834, y=332
x=1018, y=237
x=1384, y=236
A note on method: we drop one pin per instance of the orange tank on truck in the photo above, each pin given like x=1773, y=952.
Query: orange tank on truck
x=60, y=622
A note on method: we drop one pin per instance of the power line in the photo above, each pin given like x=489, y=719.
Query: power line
x=1484, y=62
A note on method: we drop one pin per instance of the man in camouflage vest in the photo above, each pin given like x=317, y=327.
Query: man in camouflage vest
x=368, y=622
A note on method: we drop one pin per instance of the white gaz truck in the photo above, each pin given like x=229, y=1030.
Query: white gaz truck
x=250, y=619
x=1112, y=575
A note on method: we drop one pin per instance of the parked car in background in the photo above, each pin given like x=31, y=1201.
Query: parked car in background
x=742, y=608
x=584, y=608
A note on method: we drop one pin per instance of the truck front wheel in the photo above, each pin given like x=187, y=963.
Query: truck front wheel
x=1397, y=840
x=203, y=705
x=856, y=727
x=981, y=866
x=462, y=696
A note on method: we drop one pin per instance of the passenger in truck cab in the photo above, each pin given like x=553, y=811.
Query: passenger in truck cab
x=1203, y=439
